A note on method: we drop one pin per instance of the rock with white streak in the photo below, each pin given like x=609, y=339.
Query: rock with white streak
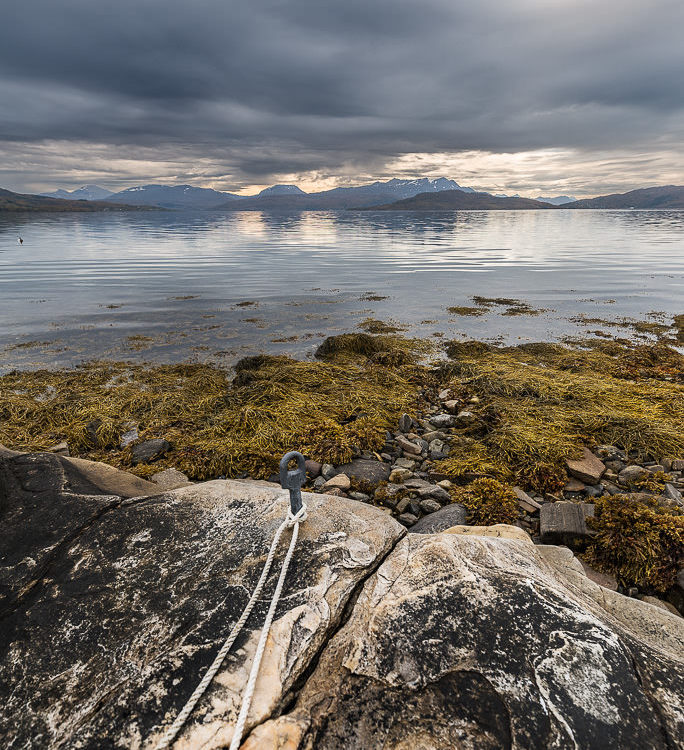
x=465, y=641
x=113, y=609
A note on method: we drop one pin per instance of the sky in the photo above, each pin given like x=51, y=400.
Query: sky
x=534, y=97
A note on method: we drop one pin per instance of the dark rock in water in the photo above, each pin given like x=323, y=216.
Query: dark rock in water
x=111, y=610
x=445, y=518
x=464, y=641
x=366, y=474
x=149, y=450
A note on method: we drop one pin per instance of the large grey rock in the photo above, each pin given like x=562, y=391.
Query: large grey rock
x=464, y=641
x=448, y=516
x=111, y=609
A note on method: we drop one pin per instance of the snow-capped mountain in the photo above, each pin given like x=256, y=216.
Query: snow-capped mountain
x=85, y=193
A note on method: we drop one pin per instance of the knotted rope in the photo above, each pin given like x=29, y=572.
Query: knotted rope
x=291, y=520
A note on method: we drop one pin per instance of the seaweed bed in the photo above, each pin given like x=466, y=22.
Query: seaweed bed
x=531, y=407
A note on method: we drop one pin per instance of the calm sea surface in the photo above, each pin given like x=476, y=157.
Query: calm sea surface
x=187, y=285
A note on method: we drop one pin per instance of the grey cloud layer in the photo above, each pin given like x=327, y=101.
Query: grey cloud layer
x=279, y=87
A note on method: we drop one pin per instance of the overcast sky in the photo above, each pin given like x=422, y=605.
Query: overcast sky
x=522, y=96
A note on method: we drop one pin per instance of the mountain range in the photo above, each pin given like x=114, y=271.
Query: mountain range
x=85, y=193
x=397, y=194
x=666, y=196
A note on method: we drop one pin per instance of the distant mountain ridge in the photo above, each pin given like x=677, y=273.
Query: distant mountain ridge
x=85, y=193
x=557, y=200
x=172, y=196
x=20, y=202
x=341, y=198
x=665, y=196
x=452, y=200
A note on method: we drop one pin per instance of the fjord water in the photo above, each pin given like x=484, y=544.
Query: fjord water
x=82, y=284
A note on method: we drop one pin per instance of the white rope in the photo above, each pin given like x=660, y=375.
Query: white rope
x=172, y=731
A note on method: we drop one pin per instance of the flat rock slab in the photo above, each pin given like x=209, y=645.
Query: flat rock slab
x=464, y=641
x=588, y=469
x=563, y=521
x=114, y=608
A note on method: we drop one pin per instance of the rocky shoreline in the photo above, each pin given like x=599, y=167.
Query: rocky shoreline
x=434, y=465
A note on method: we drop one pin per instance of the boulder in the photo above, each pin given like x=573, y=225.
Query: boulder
x=112, y=609
x=366, y=473
x=464, y=641
x=445, y=518
x=588, y=469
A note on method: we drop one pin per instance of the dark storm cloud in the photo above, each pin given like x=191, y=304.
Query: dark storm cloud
x=293, y=85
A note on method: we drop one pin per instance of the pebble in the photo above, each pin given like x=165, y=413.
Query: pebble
x=405, y=423
x=399, y=475
x=407, y=445
x=328, y=471
x=631, y=473
x=405, y=463
x=407, y=519
x=149, y=450
x=339, y=481
x=429, y=505
x=442, y=420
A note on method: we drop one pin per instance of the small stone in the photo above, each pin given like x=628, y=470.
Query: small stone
x=336, y=492
x=399, y=475
x=574, y=485
x=340, y=481
x=525, y=501
x=170, y=479
x=61, y=449
x=405, y=463
x=442, y=420
x=405, y=423
x=149, y=450
x=130, y=436
x=672, y=493
x=677, y=464
x=431, y=435
x=313, y=468
x=436, y=446
x=442, y=519
x=429, y=505
x=466, y=417
x=630, y=474
x=407, y=519
x=318, y=483
x=328, y=471
x=360, y=496
x=444, y=395
x=402, y=505
x=451, y=405
x=587, y=469
x=445, y=484
x=408, y=446
x=436, y=493
x=654, y=468
x=416, y=484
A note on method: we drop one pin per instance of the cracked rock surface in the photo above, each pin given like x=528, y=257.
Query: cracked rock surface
x=112, y=609
x=467, y=641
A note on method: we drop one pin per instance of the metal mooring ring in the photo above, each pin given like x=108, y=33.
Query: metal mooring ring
x=293, y=480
